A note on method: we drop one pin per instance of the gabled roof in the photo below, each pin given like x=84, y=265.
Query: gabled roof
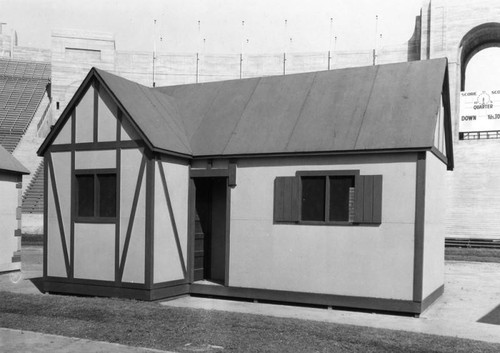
x=10, y=164
x=386, y=107
x=155, y=114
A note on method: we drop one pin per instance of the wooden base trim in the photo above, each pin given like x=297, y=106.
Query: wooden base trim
x=431, y=298
x=118, y=292
x=365, y=303
x=176, y=289
x=170, y=283
x=95, y=282
x=169, y=292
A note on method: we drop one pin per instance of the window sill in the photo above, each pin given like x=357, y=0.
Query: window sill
x=106, y=220
x=319, y=223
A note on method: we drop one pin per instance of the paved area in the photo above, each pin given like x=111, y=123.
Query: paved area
x=31, y=269
x=33, y=342
x=472, y=290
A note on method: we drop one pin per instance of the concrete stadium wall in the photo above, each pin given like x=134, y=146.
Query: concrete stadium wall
x=75, y=52
x=473, y=187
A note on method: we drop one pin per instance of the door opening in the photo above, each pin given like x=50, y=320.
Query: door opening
x=210, y=229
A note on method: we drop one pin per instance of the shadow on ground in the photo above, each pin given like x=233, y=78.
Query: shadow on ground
x=38, y=283
x=493, y=317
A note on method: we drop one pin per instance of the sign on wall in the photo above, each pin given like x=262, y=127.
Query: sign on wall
x=479, y=111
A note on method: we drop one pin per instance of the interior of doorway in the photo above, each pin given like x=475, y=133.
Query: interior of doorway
x=210, y=238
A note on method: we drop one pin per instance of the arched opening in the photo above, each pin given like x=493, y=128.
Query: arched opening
x=483, y=70
x=479, y=52
x=477, y=39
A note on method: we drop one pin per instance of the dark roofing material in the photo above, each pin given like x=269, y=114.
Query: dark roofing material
x=155, y=114
x=369, y=108
x=10, y=164
x=386, y=107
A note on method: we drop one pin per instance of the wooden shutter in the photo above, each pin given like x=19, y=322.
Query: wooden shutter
x=368, y=199
x=286, y=199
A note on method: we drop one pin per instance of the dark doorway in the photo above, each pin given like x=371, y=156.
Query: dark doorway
x=210, y=229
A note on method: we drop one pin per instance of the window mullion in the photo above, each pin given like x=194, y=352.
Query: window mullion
x=327, y=200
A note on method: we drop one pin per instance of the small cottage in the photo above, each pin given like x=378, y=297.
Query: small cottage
x=320, y=188
x=11, y=172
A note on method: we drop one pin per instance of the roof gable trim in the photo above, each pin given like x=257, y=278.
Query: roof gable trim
x=66, y=114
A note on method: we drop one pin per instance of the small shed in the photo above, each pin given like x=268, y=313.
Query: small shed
x=11, y=172
x=321, y=188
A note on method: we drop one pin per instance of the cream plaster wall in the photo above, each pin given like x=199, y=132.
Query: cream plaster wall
x=135, y=261
x=366, y=261
x=434, y=229
x=95, y=251
x=84, y=113
x=55, y=257
x=8, y=223
x=167, y=263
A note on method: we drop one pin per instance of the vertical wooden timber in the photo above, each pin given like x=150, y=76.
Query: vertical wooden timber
x=45, y=213
x=228, y=219
x=96, y=108
x=418, y=259
x=150, y=199
x=191, y=229
x=73, y=198
x=118, y=198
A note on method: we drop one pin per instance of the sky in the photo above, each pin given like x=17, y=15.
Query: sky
x=183, y=24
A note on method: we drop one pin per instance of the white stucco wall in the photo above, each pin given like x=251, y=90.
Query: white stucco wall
x=95, y=251
x=167, y=263
x=434, y=230
x=133, y=270
x=8, y=222
x=366, y=261
x=56, y=266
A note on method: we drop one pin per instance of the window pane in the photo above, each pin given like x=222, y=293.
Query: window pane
x=313, y=198
x=339, y=197
x=107, y=195
x=85, y=195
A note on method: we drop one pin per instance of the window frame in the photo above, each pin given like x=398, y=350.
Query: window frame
x=95, y=218
x=325, y=174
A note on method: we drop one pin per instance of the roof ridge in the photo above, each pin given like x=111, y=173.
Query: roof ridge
x=167, y=121
x=157, y=94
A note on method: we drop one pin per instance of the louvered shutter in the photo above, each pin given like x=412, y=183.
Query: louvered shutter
x=286, y=199
x=368, y=199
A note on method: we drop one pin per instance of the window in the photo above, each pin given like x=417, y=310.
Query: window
x=328, y=197
x=95, y=194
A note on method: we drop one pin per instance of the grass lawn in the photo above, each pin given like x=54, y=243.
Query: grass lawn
x=472, y=254
x=152, y=325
